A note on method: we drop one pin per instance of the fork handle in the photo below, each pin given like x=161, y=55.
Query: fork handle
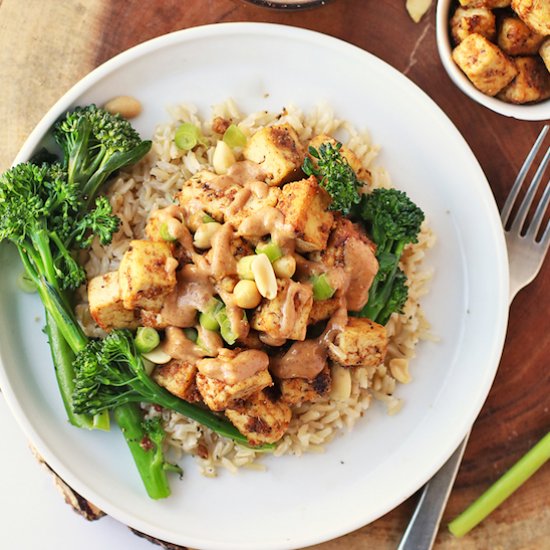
x=424, y=524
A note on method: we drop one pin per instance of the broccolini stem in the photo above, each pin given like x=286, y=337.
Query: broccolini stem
x=63, y=357
x=66, y=338
x=153, y=473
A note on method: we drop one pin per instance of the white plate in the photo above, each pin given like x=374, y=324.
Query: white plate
x=363, y=474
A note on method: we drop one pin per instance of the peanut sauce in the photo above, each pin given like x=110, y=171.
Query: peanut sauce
x=193, y=292
x=233, y=366
x=308, y=358
x=222, y=262
x=178, y=346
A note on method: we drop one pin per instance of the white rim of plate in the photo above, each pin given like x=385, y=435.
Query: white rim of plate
x=281, y=31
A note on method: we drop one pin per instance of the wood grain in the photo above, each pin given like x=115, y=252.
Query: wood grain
x=40, y=59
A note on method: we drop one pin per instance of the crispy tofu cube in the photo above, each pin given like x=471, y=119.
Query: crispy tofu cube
x=536, y=13
x=301, y=390
x=278, y=151
x=287, y=314
x=211, y=193
x=322, y=310
x=219, y=395
x=484, y=64
x=544, y=52
x=351, y=250
x=178, y=377
x=261, y=418
x=106, y=306
x=516, y=38
x=305, y=207
x=362, y=342
x=147, y=274
x=531, y=84
x=362, y=173
x=491, y=4
x=254, y=197
x=474, y=20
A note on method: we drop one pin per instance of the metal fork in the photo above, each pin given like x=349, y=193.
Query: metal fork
x=525, y=255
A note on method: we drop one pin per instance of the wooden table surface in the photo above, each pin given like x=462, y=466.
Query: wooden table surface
x=47, y=45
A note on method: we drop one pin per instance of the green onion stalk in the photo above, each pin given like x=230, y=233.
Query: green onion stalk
x=518, y=474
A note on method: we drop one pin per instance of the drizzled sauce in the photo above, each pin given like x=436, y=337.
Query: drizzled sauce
x=178, y=346
x=193, y=291
x=232, y=366
x=308, y=358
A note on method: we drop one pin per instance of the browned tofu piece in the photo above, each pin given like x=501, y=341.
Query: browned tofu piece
x=250, y=200
x=208, y=193
x=361, y=343
x=516, y=38
x=322, y=310
x=473, y=20
x=106, y=307
x=218, y=395
x=487, y=67
x=536, y=13
x=147, y=274
x=362, y=173
x=165, y=224
x=491, y=4
x=302, y=390
x=278, y=151
x=287, y=314
x=544, y=52
x=350, y=250
x=178, y=377
x=305, y=207
x=531, y=84
x=261, y=418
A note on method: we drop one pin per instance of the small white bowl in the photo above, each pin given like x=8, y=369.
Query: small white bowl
x=534, y=111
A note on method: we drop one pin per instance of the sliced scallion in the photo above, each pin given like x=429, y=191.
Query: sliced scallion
x=270, y=249
x=165, y=233
x=25, y=283
x=234, y=136
x=321, y=287
x=147, y=339
x=187, y=136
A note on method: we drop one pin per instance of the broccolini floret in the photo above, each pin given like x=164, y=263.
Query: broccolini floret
x=335, y=175
x=96, y=144
x=392, y=220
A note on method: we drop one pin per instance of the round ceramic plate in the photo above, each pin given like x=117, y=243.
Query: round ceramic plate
x=365, y=473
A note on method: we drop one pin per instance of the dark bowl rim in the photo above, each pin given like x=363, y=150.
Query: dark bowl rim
x=299, y=5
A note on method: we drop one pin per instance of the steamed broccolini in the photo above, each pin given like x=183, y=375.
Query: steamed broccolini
x=392, y=220
x=95, y=144
x=335, y=175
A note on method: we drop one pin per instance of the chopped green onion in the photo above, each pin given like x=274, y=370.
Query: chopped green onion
x=207, y=318
x=191, y=334
x=187, y=136
x=165, y=233
x=520, y=472
x=147, y=339
x=321, y=287
x=25, y=283
x=207, y=219
x=244, y=268
x=208, y=321
x=234, y=136
x=270, y=249
x=225, y=326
